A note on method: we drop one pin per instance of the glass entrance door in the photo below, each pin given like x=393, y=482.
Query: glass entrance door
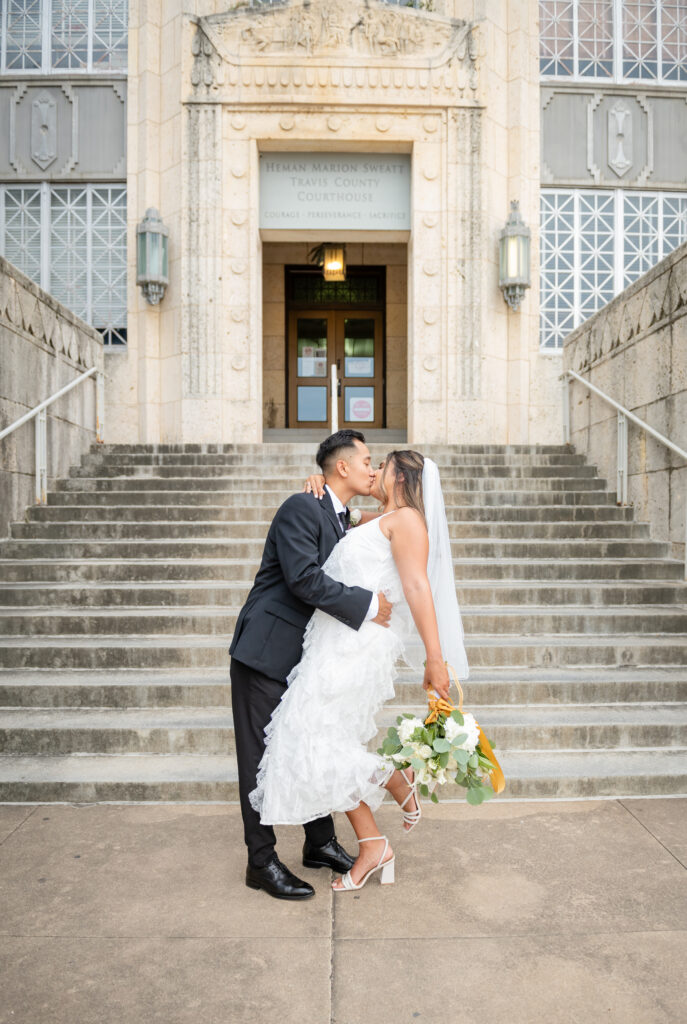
x=351, y=341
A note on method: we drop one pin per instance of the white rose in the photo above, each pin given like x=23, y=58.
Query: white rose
x=469, y=726
x=407, y=728
x=424, y=751
x=440, y=776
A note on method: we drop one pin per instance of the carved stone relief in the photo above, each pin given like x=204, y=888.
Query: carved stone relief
x=620, y=138
x=44, y=130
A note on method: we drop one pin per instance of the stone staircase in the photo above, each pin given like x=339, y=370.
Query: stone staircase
x=118, y=599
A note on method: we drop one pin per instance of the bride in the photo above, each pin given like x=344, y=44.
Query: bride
x=316, y=759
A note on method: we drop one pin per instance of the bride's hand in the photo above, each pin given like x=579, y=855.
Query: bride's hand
x=436, y=677
x=315, y=485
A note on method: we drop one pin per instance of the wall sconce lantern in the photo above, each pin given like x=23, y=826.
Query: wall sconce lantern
x=514, y=258
x=332, y=259
x=152, y=265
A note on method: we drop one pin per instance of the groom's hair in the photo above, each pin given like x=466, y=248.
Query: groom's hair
x=336, y=446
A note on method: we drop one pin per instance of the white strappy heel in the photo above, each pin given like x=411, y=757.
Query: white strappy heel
x=387, y=868
x=411, y=818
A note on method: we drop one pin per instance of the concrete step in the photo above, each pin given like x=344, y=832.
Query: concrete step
x=211, y=730
x=113, y=651
x=212, y=778
x=211, y=620
x=296, y=463
x=153, y=688
x=377, y=450
x=222, y=594
x=274, y=477
x=277, y=489
x=272, y=499
x=244, y=530
x=483, y=514
x=485, y=569
x=244, y=550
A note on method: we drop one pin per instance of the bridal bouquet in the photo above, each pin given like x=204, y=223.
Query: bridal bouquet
x=447, y=746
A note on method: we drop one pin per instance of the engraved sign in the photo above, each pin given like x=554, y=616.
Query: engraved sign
x=330, y=191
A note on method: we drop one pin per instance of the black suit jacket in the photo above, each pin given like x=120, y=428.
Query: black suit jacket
x=289, y=586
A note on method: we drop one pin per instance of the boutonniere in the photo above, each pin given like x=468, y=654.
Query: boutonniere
x=356, y=516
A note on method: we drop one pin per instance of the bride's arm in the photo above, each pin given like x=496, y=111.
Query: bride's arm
x=315, y=485
x=410, y=547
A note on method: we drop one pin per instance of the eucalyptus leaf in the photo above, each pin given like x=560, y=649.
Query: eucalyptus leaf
x=417, y=763
x=406, y=714
x=473, y=760
x=434, y=798
x=475, y=796
x=460, y=738
x=457, y=717
x=461, y=756
x=407, y=751
x=487, y=792
x=424, y=789
x=441, y=745
x=443, y=759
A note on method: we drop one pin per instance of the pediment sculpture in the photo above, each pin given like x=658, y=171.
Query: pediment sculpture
x=364, y=32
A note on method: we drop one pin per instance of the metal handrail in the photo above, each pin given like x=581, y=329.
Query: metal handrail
x=39, y=414
x=623, y=416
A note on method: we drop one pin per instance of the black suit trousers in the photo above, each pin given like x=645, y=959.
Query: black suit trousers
x=254, y=697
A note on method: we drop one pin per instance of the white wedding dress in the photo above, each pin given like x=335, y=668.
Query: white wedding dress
x=316, y=759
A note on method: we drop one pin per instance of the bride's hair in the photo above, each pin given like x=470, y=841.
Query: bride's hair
x=408, y=466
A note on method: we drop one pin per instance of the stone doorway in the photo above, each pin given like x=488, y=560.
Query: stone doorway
x=372, y=303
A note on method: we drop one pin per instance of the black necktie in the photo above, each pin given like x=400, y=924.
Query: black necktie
x=344, y=518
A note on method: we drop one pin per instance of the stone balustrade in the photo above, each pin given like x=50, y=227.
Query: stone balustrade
x=635, y=349
x=43, y=346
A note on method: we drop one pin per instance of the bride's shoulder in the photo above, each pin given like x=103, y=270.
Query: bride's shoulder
x=405, y=522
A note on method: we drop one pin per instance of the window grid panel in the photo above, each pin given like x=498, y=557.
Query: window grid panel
x=640, y=39
x=110, y=34
x=69, y=248
x=22, y=36
x=595, y=39
x=596, y=242
x=40, y=36
x=69, y=42
x=108, y=259
x=674, y=40
x=557, y=267
x=618, y=40
x=641, y=233
x=674, y=231
x=22, y=228
x=556, y=38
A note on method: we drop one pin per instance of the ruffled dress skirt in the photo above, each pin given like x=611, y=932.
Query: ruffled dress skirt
x=316, y=760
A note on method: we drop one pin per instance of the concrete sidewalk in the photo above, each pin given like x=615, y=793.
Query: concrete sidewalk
x=572, y=913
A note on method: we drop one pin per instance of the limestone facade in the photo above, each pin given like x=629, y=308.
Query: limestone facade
x=457, y=88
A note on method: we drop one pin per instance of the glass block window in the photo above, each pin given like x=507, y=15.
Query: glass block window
x=47, y=36
x=71, y=240
x=594, y=243
x=613, y=40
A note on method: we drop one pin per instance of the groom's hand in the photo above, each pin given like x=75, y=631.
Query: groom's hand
x=384, y=613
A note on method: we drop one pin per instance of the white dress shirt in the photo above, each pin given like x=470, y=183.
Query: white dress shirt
x=373, y=610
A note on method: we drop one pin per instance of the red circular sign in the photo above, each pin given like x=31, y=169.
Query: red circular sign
x=361, y=409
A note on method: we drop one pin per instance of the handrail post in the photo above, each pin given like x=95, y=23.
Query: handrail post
x=621, y=483
x=566, y=409
x=334, y=400
x=100, y=407
x=41, y=457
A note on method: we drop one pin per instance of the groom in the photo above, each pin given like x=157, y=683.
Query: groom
x=268, y=642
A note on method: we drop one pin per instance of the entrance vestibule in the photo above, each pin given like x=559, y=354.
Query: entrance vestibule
x=358, y=325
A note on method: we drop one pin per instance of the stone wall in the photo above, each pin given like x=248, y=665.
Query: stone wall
x=635, y=349
x=43, y=346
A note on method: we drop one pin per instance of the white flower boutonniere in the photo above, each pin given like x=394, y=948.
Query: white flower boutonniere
x=356, y=516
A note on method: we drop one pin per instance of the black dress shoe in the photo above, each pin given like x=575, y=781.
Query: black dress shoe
x=331, y=855
x=276, y=879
